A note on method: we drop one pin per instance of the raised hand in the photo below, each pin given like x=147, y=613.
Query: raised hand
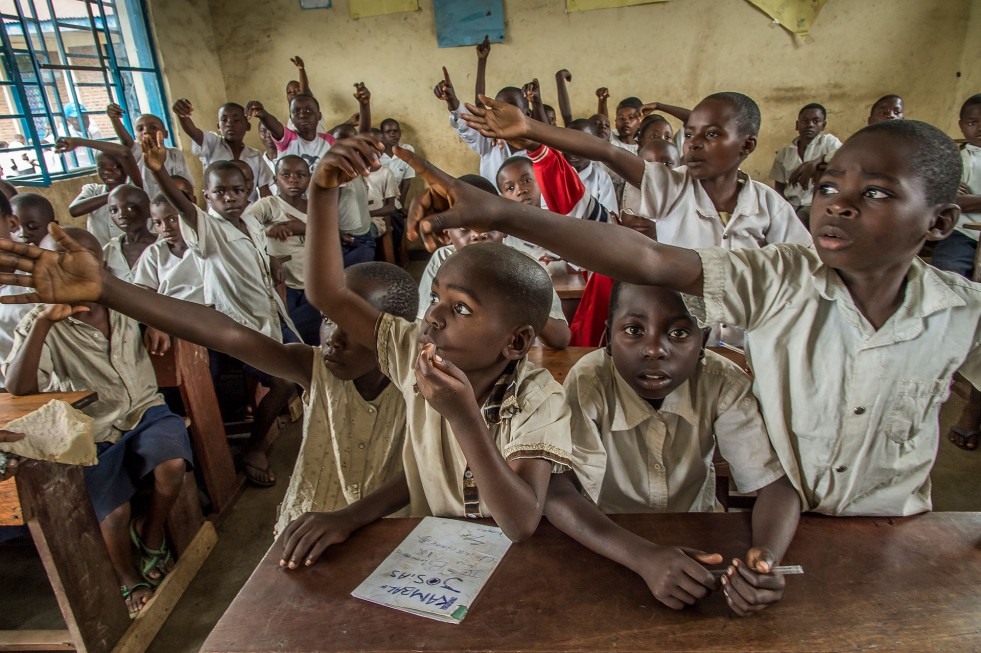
x=114, y=111
x=498, y=120
x=564, y=75
x=603, y=93
x=444, y=91
x=254, y=109
x=69, y=277
x=154, y=151
x=347, y=159
x=483, y=48
x=361, y=93
x=649, y=108
x=533, y=93
x=65, y=144
x=183, y=108
x=298, y=62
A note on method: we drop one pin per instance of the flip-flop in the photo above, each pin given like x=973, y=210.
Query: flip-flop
x=258, y=476
x=966, y=440
x=151, y=559
x=127, y=592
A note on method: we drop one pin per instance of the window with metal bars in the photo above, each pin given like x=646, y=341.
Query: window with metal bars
x=62, y=62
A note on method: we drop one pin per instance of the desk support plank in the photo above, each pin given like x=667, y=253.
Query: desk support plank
x=88, y=594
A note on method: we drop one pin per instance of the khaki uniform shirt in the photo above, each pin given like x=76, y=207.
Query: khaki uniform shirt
x=270, y=210
x=76, y=356
x=350, y=447
x=159, y=270
x=533, y=423
x=630, y=457
x=853, y=413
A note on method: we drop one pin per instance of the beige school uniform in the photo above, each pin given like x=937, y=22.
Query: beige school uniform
x=161, y=271
x=350, y=447
x=970, y=177
x=381, y=185
x=788, y=159
x=630, y=457
x=77, y=356
x=214, y=148
x=116, y=261
x=237, y=280
x=526, y=414
x=436, y=262
x=270, y=210
x=99, y=223
x=852, y=412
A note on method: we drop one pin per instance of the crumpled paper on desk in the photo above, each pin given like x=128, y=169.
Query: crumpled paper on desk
x=55, y=432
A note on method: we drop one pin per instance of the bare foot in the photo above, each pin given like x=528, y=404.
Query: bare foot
x=257, y=469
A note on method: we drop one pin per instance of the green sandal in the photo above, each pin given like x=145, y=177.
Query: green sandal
x=151, y=559
x=128, y=592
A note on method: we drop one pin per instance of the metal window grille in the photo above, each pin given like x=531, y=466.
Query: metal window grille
x=61, y=63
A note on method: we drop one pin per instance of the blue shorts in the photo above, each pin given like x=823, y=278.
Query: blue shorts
x=160, y=436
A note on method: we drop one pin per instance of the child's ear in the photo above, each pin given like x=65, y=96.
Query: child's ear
x=520, y=342
x=705, y=338
x=749, y=145
x=945, y=217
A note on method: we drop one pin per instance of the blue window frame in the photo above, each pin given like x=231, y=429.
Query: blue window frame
x=61, y=63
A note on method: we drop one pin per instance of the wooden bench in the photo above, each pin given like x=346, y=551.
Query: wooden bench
x=569, y=288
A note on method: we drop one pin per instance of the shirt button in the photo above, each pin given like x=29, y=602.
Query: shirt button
x=354, y=487
x=725, y=235
x=658, y=467
x=371, y=409
x=860, y=410
x=470, y=515
x=468, y=474
x=841, y=468
x=361, y=445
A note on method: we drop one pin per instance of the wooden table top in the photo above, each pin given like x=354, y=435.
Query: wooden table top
x=557, y=361
x=568, y=286
x=976, y=226
x=12, y=407
x=903, y=583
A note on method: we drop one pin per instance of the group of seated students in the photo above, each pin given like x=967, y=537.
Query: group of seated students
x=420, y=400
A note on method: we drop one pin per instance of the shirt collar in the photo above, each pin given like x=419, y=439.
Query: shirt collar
x=630, y=410
x=747, y=201
x=502, y=404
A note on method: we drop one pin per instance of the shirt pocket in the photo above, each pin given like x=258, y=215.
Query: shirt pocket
x=915, y=406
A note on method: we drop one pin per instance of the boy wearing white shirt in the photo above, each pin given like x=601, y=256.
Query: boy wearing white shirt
x=147, y=125
x=811, y=143
x=168, y=267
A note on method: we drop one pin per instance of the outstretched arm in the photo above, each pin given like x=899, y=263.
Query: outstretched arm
x=533, y=94
x=254, y=109
x=115, y=113
x=483, y=51
x=625, y=254
x=154, y=156
x=77, y=276
x=301, y=70
x=602, y=95
x=120, y=153
x=363, y=96
x=501, y=120
x=323, y=270
x=674, y=575
x=565, y=107
x=444, y=91
x=87, y=205
x=183, y=110
x=678, y=112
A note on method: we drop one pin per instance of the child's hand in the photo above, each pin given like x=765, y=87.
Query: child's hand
x=483, y=48
x=68, y=277
x=648, y=109
x=361, y=93
x=806, y=173
x=154, y=151
x=603, y=93
x=58, y=312
x=114, y=111
x=533, y=93
x=498, y=120
x=748, y=586
x=347, y=240
x=183, y=108
x=297, y=61
x=443, y=385
x=446, y=203
x=563, y=75
x=963, y=190
x=156, y=342
x=307, y=536
x=254, y=109
x=444, y=91
x=65, y=144
x=346, y=160
x=675, y=575
x=279, y=231
x=354, y=120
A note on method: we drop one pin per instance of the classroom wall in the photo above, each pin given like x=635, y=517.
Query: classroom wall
x=676, y=51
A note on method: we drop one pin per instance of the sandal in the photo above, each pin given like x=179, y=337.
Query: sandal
x=151, y=559
x=127, y=592
x=258, y=476
x=967, y=440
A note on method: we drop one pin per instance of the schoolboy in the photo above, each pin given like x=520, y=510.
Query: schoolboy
x=296, y=87
x=555, y=334
x=655, y=150
x=129, y=208
x=84, y=345
x=147, y=125
x=491, y=153
x=654, y=126
x=231, y=248
x=811, y=143
x=596, y=179
x=484, y=428
x=849, y=380
x=284, y=218
x=228, y=145
x=392, y=136
x=628, y=119
x=708, y=202
x=10, y=314
x=648, y=413
x=354, y=418
x=383, y=194
x=92, y=198
x=888, y=107
x=167, y=266
x=34, y=213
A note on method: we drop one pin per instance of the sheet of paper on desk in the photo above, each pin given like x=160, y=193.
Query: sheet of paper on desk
x=438, y=569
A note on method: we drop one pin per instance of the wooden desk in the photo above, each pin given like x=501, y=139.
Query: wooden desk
x=909, y=584
x=569, y=288
x=557, y=361
x=55, y=505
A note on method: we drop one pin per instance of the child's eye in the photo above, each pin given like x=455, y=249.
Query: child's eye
x=876, y=194
x=433, y=298
x=633, y=330
x=462, y=309
x=711, y=134
x=679, y=334
x=827, y=189
x=687, y=135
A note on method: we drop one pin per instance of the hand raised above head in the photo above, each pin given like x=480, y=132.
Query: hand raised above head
x=564, y=75
x=68, y=277
x=297, y=61
x=254, y=109
x=183, y=108
x=113, y=110
x=484, y=47
x=444, y=89
x=361, y=93
x=347, y=159
x=497, y=119
x=154, y=151
x=603, y=93
x=65, y=144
